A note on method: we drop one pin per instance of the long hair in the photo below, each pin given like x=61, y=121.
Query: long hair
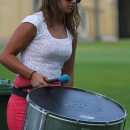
x=53, y=11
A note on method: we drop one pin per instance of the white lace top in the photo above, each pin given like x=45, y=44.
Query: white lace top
x=46, y=54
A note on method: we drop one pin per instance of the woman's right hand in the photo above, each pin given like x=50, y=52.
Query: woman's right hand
x=38, y=80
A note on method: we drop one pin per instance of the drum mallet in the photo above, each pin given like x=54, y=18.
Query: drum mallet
x=64, y=79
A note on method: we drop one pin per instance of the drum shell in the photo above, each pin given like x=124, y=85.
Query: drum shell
x=38, y=119
x=35, y=119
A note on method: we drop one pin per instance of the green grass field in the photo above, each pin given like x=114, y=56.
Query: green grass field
x=102, y=67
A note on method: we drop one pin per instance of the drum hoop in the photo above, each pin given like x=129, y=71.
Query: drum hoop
x=36, y=106
x=102, y=123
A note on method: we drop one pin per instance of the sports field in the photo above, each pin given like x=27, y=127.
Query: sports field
x=102, y=67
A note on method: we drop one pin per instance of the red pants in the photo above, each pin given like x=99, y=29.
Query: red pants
x=15, y=112
x=17, y=106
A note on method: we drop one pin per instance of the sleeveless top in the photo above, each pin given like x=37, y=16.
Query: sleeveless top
x=46, y=54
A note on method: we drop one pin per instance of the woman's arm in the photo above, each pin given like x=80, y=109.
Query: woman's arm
x=68, y=67
x=20, y=39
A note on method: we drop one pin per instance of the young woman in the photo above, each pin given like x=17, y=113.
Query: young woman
x=46, y=41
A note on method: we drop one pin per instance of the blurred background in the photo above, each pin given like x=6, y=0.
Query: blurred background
x=103, y=52
x=101, y=19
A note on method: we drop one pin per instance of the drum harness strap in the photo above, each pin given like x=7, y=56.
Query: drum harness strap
x=19, y=92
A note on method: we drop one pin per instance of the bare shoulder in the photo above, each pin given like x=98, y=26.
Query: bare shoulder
x=26, y=28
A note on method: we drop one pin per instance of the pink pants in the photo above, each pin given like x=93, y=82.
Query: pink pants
x=17, y=106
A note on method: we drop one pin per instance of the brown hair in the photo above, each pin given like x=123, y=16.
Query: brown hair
x=53, y=11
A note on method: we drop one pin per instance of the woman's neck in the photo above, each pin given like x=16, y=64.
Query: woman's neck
x=52, y=21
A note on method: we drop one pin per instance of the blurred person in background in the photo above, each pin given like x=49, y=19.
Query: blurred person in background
x=46, y=41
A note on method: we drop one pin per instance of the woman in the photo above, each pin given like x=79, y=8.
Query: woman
x=46, y=42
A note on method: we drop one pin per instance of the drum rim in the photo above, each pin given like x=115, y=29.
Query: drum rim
x=80, y=121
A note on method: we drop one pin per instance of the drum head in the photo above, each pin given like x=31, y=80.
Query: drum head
x=77, y=104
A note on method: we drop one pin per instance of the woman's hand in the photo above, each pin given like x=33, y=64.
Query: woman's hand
x=38, y=80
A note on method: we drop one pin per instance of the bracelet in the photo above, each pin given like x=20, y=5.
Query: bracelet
x=32, y=74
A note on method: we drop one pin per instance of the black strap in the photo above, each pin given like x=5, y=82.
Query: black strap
x=19, y=92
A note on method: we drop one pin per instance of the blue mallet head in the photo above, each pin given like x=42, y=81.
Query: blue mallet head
x=64, y=78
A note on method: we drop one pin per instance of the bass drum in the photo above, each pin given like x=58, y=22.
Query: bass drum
x=65, y=108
